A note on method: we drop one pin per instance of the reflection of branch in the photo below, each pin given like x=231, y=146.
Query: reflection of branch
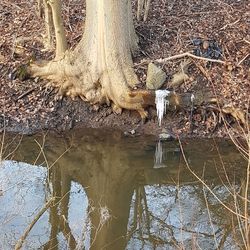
x=142, y=189
x=209, y=216
x=223, y=239
x=140, y=198
x=208, y=188
x=170, y=227
x=45, y=158
x=140, y=207
x=61, y=190
x=134, y=227
x=24, y=236
x=65, y=228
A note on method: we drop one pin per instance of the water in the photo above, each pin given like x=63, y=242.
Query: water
x=115, y=192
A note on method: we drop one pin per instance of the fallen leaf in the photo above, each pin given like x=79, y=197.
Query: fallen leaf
x=237, y=113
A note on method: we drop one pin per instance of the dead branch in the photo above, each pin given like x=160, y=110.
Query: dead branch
x=143, y=5
x=229, y=24
x=147, y=7
x=245, y=40
x=26, y=93
x=185, y=54
x=41, y=212
x=243, y=59
x=188, y=54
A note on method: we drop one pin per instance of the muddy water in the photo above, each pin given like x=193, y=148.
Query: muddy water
x=116, y=192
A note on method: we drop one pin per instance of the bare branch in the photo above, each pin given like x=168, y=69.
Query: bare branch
x=41, y=212
x=188, y=54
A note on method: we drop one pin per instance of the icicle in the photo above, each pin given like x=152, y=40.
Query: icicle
x=159, y=156
x=161, y=103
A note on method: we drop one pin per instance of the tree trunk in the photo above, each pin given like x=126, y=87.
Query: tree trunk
x=48, y=41
x=100, y=68
x=61, y=43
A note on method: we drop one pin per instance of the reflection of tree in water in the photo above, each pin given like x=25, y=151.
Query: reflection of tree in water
x=144, y=207
x=103, y=168
x=151, y=229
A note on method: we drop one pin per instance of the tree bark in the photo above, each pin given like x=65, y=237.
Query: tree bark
x=61, y=43
x=48, y=44
x=100, y=68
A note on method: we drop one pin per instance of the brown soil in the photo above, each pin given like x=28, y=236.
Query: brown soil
x=173, y=27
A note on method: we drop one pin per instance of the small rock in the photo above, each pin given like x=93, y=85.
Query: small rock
x=155, y=77
x=205, y=44
x=126, y=133
x=132, y=132
x=178, y=79
x=165, y=135
x=95, y=107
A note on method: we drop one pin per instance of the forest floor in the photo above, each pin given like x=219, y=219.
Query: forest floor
x=218, y=29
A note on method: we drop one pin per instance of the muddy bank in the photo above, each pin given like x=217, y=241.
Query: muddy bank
x=63, y=115
x=28, y=106
x=32, y=115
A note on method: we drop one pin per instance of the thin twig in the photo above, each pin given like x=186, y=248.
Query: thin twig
x=229, y=24
x=26, y=93
x=245, y=40
x=243, y=59
x=24, y=236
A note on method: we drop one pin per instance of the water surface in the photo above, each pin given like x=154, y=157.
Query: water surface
x=117, y=192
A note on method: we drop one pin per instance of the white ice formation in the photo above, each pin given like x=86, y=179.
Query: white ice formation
x=158, y=162
x=161, y=103
x=158, y=154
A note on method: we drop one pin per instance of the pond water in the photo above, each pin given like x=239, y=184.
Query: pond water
x=116, y=192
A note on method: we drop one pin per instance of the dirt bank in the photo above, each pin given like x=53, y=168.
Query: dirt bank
x=173, y=27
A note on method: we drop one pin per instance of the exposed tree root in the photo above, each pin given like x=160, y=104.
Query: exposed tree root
x=111, y=85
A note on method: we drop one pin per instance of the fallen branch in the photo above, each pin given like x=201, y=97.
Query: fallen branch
x=229, y=24
x=186, y=54
x=26, y=93
x=243, y=59
x=24, y=236
x=245, y=40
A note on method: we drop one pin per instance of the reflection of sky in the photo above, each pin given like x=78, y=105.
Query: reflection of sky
x=176, y=213
x=78, y=213
x=23, y=187
x=23, y=196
